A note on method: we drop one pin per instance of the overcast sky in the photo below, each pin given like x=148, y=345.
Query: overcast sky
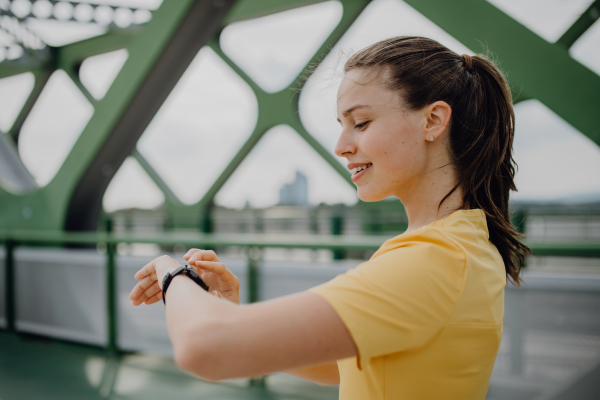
x=212, y=111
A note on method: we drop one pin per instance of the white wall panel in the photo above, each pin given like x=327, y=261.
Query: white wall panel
x=61, y=293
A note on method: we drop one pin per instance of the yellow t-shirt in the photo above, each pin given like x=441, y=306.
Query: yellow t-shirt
x=425, y=313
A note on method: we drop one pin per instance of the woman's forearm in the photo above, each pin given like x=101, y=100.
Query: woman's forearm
x=192, y=314
x=324, y=374
x=216, y=339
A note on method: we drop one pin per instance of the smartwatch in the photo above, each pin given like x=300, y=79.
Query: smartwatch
x=186, y=270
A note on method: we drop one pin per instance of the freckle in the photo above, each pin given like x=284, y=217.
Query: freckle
x=402, y=142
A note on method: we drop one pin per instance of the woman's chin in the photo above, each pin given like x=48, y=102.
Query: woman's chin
x=369, y=196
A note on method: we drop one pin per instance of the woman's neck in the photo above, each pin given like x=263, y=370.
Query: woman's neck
x=422, y=203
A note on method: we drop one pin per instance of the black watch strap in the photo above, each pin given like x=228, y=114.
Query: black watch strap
x=186, y=270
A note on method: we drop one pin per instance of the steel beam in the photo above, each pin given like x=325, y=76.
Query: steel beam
x=170, y=196
x=282, y=107
x=77, y=82
x=14, y=176
x=11, y=68
x=583, y=23
x=40, y=79
x=157, y=60
x=72, y=55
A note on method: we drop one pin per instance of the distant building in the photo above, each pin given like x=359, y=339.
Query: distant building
x=295, y=193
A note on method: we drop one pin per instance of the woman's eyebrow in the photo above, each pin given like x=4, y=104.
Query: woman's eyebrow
x=352, y=109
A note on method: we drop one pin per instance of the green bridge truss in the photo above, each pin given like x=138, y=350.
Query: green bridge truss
x=162, y=49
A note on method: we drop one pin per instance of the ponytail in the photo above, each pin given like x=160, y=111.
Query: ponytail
x=481, y=128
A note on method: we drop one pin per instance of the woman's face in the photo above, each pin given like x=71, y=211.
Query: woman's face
x=379, y=136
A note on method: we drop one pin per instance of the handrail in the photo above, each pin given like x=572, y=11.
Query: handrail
x=195, y=238
x=303, y=241
x=14, y=238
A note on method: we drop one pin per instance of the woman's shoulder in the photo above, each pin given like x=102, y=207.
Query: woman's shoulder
x=451, y=233
x=423, y=255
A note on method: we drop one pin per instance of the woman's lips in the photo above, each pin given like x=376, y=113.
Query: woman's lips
x=358, y=175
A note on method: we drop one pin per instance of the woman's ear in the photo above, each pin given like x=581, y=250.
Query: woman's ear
x=437, y=117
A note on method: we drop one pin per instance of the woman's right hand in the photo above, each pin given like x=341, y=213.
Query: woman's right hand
x=221, y=281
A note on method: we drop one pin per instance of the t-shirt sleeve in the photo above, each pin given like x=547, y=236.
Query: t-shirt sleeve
x=399, y=300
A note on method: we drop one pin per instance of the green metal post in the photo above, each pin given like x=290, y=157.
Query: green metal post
x=206, y=222
x=253, y=273
x=111, y=304
x=9, y=283
x=253, y=277
x=337, y=224
x=108, y=224
x=113, y=359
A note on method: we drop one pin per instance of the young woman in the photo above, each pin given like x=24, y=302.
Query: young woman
x=423, y=318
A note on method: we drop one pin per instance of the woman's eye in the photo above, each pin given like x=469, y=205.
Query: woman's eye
x=362, y=125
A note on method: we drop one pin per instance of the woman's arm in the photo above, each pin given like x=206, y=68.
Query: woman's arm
x=324, y=374
x=216, y=339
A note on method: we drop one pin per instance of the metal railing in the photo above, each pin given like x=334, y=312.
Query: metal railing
x=252, y=242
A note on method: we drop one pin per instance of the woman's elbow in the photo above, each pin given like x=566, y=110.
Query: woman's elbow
x=198, y=361
x=198, y=353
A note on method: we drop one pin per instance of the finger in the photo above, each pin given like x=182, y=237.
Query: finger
x=148, y=269
x=154, y=299
x=217, y=268
x=147, y=294
x=204, y=255
x=190, y=252
x=212, y=266
x=142, y=286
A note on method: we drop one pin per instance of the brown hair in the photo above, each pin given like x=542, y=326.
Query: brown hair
x=481, y=127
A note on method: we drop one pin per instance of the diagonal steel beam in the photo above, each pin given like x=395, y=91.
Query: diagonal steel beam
x=542, y=70
x=41, y=78
x=352, y=9
x=170, y=196
x=8, y=68
x=14, y=176
x=282, y=107
x=86, y=93
x=158, y=58
x=73, y=54
x=583, y=23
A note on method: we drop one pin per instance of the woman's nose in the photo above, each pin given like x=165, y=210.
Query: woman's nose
x=345, y=145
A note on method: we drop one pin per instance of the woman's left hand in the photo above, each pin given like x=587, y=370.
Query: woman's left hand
x=149, y=288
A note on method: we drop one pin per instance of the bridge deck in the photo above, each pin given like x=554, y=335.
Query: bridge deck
x=37, y=368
